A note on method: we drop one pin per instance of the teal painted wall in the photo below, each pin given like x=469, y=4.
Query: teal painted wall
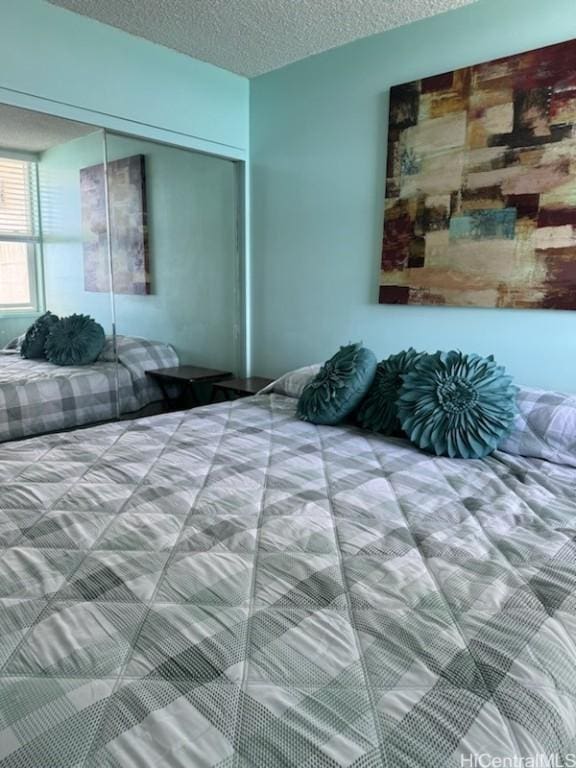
x=10, y=327
x=192, y=238
x=60, y=208
x=76, y=62
x=318, y=143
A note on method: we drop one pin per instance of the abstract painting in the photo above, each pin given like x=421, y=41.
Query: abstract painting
x=128, y=227
x=481, y=185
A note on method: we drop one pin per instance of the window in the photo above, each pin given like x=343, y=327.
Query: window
x=19, y=236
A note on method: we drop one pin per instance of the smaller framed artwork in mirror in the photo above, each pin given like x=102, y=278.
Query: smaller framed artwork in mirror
x=480, y=204
x=128, y=227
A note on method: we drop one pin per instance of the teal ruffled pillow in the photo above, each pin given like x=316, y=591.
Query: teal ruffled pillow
x=457, y=405
x=379, y=409
x=33, y=346
x=75, y=340
x=339, y=386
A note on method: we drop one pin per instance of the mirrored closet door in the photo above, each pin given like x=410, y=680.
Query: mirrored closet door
x=41, y=218
x=118, y=256
x=46, y=383
x=173, y=226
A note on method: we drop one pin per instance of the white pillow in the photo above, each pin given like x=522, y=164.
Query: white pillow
x=292, y=384
x=14, y=344
x=545, y=427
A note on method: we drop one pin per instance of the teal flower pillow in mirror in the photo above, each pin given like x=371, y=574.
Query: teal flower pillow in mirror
x=34, y=343
x=75, y=340
x=379, y=409
x=457, y=405
x=338, y=388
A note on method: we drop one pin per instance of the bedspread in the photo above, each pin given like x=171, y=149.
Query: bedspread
x=230, y=587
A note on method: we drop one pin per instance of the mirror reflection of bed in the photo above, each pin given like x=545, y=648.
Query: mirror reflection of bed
x=37, y=396
x=138, y=236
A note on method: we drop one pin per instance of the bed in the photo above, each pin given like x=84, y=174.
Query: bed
x=37, y=396
x=230, y=586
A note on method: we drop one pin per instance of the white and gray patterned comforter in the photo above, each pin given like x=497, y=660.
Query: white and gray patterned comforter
x=37, y=396
x=233, y=587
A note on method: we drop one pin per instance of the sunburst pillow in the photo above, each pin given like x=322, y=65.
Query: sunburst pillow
x=34, y=343
x=339, y=386
x=457, y=405
x=75, y=340
x=379, y=409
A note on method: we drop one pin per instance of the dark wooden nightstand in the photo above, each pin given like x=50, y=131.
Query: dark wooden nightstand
x=233, y=388
x=185, y=377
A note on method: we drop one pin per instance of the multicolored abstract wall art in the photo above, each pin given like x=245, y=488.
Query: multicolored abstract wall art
x=481, y=185
x=128, y=227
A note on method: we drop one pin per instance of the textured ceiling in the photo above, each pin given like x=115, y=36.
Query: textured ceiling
x=251, y=37
x=34, y=132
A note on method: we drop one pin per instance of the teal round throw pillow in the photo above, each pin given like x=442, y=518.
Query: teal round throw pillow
x=339, y=386
x=75, y=340
x=33, y=346
x=379, y=409
x=457, y=405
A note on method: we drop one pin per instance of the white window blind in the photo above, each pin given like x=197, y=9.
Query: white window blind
x=19, y=234
x=17, y=199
